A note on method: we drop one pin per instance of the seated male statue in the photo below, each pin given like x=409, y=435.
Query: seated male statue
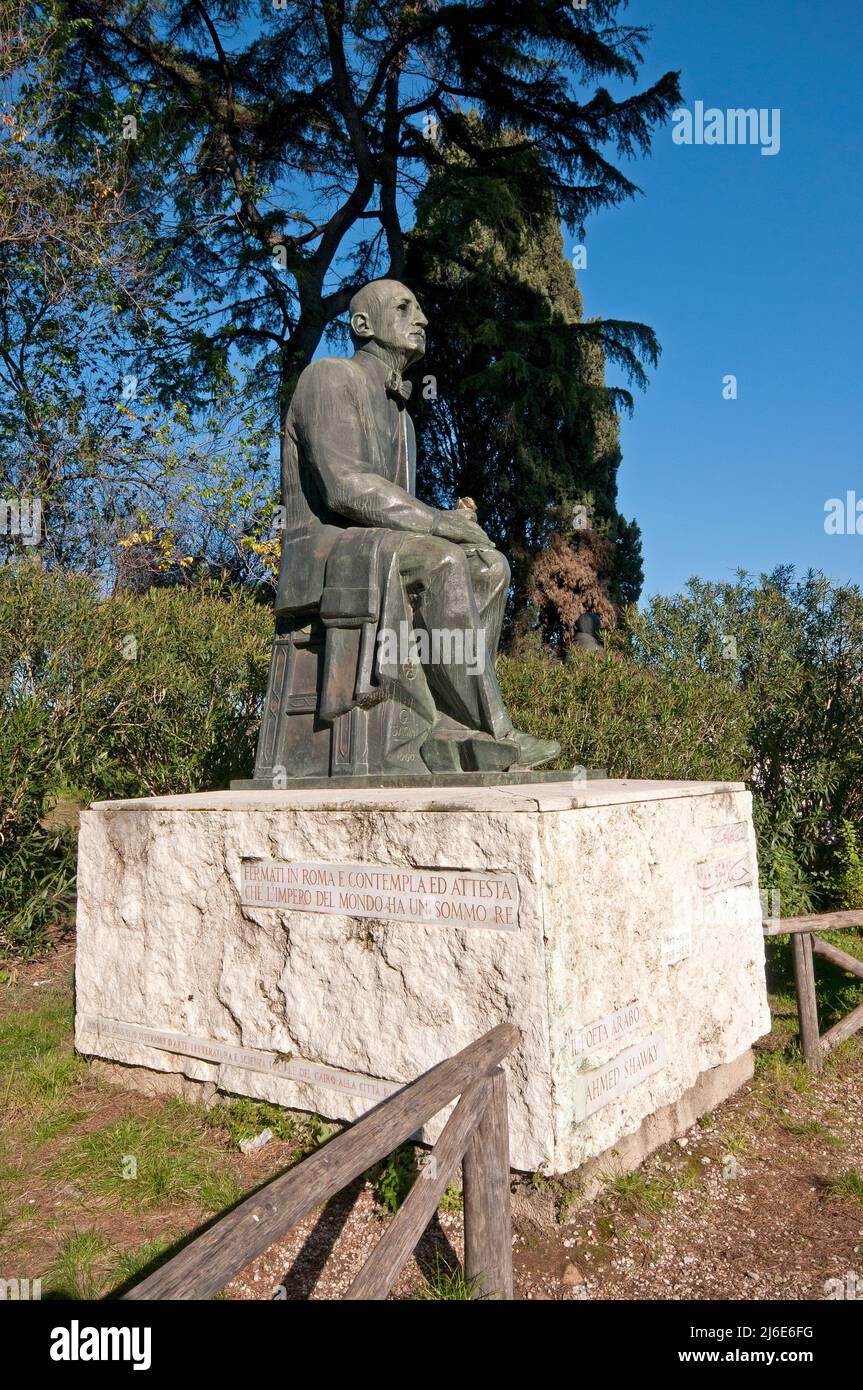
x=400, y=603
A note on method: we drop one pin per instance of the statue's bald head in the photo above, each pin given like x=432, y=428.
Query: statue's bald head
x=388, y=312
x=373, y=296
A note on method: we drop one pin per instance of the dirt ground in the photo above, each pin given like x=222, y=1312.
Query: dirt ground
x=697, y=1222
x=763, y=1199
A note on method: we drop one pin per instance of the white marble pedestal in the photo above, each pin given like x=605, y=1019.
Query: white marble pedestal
x=320, y=948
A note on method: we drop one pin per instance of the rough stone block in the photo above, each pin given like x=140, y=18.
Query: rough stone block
x=320, y=948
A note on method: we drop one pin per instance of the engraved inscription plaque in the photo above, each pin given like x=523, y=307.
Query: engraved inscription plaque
x=225, y=1054
x=599, y=1088
x=440, y=897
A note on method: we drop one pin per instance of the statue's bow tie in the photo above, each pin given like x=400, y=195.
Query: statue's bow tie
x=397, y=387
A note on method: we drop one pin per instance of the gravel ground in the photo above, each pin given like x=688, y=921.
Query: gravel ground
x=742, y=1207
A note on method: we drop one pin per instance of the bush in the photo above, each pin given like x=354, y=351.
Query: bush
x=126, y=696
x=849, y=857
x=794, y=649
x=609, y=712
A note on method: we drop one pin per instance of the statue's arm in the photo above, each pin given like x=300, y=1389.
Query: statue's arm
x=328, y=417
x=370, y=500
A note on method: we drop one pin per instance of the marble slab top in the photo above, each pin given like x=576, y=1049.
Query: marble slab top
x=525, y=797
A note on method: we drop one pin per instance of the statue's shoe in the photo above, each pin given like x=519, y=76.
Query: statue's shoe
x=532, y=751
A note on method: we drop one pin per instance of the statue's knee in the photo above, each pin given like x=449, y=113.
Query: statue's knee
x=500, y=568
x=447, y=557
x=497, y=572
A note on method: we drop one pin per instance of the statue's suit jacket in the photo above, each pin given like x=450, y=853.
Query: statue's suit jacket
x=348, y=462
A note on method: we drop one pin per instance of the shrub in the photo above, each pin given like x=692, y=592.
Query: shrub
x=609, y=712
x=849, y=857
x=125, y=696
x=794, y=649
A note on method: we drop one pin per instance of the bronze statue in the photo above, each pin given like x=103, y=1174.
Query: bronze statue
x=587, y=633
x=388, y=611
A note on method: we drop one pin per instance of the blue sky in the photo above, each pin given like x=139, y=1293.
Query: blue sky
x=748, y=265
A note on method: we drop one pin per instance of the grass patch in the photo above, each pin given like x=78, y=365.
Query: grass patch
x=688, y=1178
x=784, y=1005
x=642, y=1194
x=244, y=1118
x=10, y=1169
x=41, y=1075
x=807, y=1129
x=161, y=1159
x=446, y=1284
x=132, y=1265
x=845, y=1187
x=54, y=1121
x=784, y=1072
x=79, y=1268
x=39, y=1065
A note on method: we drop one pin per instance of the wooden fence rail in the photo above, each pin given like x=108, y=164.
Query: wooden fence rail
x=475, y=1133
x=805, y=945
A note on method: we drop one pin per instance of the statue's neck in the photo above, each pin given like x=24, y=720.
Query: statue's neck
x=396, y=359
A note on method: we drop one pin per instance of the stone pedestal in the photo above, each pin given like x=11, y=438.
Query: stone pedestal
x=320, y=948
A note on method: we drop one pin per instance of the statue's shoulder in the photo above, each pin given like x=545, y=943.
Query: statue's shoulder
x=331, y=372
x=325, y=385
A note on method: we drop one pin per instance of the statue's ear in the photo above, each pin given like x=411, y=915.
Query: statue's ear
x=361, y=326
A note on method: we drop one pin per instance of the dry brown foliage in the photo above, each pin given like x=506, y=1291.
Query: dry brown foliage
x=571, y=577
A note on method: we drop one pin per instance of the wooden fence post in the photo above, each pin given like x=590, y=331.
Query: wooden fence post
x=807, y=1005
x=487, y=1207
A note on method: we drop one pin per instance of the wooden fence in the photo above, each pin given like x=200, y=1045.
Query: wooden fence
x=805, y=945
x=476, y=1134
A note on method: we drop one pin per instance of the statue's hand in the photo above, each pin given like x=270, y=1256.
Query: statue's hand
x=460, y=527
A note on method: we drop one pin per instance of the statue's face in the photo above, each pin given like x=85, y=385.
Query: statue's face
x=395, y=320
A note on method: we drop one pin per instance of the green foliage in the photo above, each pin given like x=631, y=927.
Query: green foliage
x=82, y=291
x=395, y=1177
x=793, y=649
x=760, y=680
x=296, y=128
x=838, y=991
x=452, y=1199
x=446, y=1284
x=849, y=858
x=173, y=1161
x=244, y=1118
x=609, y=712
x=125, y=696
x=178, y=233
